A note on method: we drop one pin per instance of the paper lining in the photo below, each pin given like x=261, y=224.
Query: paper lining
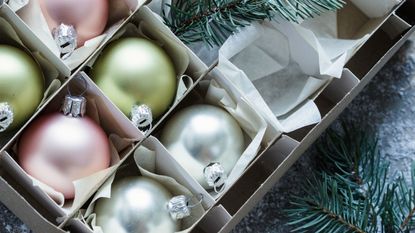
x=287, y=64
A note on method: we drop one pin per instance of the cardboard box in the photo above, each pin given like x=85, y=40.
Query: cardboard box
x=275, y=157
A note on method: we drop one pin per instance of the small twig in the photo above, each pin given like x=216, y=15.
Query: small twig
x=408, y=219
x=342, y=221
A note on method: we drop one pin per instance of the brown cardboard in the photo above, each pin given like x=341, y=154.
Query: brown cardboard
x=272, y=163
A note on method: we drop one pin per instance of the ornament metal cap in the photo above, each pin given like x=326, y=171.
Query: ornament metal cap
x=141, y=116
x=179, y=206
x=6, y=116
x=215, y=176
x=74, y=106
x=65, y=37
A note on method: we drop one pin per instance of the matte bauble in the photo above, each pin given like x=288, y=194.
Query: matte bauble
x=137, y=205
x=135, y=71
x=58, y=149
x=21, y=87
x=202, y=134
x=88, y=17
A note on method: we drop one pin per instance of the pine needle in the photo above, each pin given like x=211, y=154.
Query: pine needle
x=212, y=21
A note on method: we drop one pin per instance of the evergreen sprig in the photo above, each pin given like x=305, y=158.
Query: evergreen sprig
x=352, y=192
x=212, y=21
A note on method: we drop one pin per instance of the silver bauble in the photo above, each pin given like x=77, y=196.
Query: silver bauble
x=201, y=134
x=137, y=205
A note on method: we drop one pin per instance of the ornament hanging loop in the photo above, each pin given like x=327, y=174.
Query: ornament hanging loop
x=142, y=117
x=179, y=207
x=6, y=116
x=215, y=176
x=84, y=85
x=65, y=37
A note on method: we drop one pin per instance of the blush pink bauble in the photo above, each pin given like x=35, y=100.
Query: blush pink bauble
x=58, y=149
x=89, y=17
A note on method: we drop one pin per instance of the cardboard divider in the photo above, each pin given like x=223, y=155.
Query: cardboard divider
x=75, y=225
x=13, y=169
x=257, y=174
x=338, y=88
x=27, y=213
x=336, y=91
x=378, y=45
x=122, y=135
x=20, y=188
x=406, y=11
x=213, y=221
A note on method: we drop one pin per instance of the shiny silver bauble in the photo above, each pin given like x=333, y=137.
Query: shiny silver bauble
x=137, y=205
x=201, y=134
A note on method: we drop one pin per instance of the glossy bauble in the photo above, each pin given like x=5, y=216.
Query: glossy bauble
x=137, y=205
x=201, y=134
x=58, y=149
x=135, y=71
x=21, y=84
x=89, y=17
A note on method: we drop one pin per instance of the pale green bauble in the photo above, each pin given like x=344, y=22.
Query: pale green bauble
x=21, y=86
x=134, y=71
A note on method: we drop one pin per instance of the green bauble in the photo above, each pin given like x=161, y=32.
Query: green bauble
x=135, y=71
x=21, y=87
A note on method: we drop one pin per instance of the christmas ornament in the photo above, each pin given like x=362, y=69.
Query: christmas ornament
x=21, y=87
x=72, y=22
x=138, y=76
x=58, y=149
x=137, y=205
x=207, y=141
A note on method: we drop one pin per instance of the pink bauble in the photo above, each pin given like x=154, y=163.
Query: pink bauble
x=89, y=17
x=58, y=149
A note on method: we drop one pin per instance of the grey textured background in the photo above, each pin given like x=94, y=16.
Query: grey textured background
x=387, y=104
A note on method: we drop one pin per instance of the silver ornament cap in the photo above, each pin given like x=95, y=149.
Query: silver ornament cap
x=74, y=106
x=215, y=176
x=65, y=37
x=141, y=116
x=178, y=207
x=6, y=116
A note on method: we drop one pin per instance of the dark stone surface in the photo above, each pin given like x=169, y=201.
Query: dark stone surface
x=387, y=104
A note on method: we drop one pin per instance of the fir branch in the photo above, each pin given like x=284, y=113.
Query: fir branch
x=353, y=191
x=212, y=21
x=326, y=209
